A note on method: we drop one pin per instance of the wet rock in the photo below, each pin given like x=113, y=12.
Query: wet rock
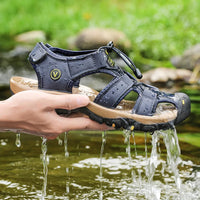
x=31, y=37
x=166, y=77
x=19, y=51
x=15, y=63
x=93, y=38
x=189, y=60
x=16, y=58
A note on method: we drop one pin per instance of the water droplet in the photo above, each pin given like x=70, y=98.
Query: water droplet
x=60, y=142
x=18, y=141
x=65, y=145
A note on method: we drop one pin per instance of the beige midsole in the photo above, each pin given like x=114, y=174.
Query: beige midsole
x=18, y=84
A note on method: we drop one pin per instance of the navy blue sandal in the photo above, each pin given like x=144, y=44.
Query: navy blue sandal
x=60, y=71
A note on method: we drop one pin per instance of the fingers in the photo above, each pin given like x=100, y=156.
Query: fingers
x=69, y=101
x=81, y=123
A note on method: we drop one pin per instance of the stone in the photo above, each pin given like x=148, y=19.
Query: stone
x=14, y=63
x=163, y=75
x=93, y=38
x=20, y=51
x=189, y=60
x=31, y=37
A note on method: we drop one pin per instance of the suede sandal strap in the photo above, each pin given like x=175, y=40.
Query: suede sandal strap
x=115, y=91
x=146, y=103
x=59, y=69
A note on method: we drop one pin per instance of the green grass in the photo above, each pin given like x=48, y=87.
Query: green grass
x=191, y=138
x=157, y=29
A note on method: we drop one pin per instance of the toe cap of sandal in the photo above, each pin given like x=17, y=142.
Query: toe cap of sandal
x=183, y=106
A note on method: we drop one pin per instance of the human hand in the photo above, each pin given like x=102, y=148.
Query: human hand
x=34, y=112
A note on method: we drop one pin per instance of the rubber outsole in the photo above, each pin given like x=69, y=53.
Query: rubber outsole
x=119, y=123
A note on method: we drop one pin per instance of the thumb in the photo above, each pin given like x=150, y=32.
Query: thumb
x=70, y=101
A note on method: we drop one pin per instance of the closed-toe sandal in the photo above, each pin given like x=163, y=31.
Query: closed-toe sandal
x=59, y=71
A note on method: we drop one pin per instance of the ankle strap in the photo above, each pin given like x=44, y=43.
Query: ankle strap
x=68, y=67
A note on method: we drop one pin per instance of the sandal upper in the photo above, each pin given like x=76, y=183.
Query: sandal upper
x=59, y=69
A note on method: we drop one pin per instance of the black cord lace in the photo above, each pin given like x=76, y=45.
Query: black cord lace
x=110, y=47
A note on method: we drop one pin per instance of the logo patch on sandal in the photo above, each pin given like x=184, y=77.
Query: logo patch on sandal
x=55, y=74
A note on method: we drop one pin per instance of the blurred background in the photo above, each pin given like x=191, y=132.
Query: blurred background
x=151, y=33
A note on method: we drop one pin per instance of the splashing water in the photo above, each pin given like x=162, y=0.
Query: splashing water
x=45, y=162
x=158, y=182
x=18, y=141
x=173, y=160
x=82, y=172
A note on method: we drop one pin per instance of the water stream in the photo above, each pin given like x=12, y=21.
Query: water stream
x=133, y=136
x=127, y=136
x=45, y=162
x=145, y=145
x=153, y=192
x=101, y=165
x=101, y=153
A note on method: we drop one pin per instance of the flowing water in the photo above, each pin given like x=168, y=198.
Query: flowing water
x=45, y=162
x=101, y=153
x=118, y=173
x=101, y=168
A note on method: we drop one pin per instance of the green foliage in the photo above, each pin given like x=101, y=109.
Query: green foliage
x=157, y=29
x=191, y=138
